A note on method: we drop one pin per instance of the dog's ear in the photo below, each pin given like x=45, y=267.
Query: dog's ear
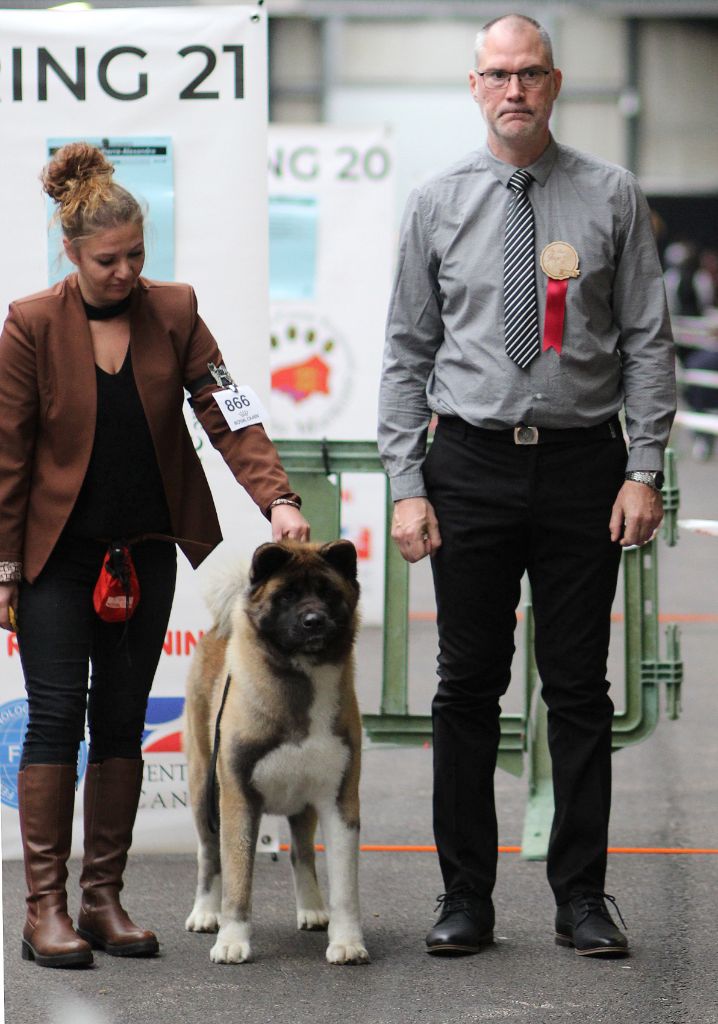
x=342, y=556
x=268, y=559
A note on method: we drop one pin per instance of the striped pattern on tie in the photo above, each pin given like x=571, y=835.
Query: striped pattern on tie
x=520, y=303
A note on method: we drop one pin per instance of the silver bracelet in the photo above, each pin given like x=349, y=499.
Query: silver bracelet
x=284, y=501
x=10, y=572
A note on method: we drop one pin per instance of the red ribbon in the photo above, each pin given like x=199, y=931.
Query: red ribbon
x=555, y=310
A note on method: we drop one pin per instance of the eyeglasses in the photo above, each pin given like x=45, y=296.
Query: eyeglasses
x=530, y=78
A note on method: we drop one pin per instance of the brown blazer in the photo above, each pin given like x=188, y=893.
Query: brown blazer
x=48, y=406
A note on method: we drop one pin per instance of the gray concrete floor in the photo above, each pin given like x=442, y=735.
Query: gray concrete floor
x=666, y=793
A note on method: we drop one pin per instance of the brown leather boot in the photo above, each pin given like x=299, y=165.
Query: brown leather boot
x=46, y=797
x=112, y=792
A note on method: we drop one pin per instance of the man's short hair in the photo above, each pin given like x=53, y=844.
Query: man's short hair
x=543, y=34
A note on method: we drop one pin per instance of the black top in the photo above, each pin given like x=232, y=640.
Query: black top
x=122, y=495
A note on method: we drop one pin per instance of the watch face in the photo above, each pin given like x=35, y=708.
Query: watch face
x=660, y=479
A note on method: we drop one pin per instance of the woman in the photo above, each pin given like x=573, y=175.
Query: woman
x=93, y=450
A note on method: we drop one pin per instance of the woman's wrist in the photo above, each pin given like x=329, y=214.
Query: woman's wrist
x=284, y=501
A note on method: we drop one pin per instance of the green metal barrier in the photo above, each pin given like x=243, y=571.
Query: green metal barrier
x=315, y=469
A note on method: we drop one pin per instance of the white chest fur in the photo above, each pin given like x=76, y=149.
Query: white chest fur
x=310, y=772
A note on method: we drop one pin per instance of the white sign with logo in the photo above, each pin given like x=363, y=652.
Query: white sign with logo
x=198, y=77
x=331, y=202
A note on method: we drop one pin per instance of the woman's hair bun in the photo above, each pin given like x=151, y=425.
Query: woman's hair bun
x=75, y=168
x=79, y=179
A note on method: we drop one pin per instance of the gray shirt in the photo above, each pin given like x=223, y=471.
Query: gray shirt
x=445, y=330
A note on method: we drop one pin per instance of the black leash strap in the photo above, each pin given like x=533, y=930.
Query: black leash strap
x=211, y=784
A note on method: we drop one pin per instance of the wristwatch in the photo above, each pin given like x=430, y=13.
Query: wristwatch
x=652, y=478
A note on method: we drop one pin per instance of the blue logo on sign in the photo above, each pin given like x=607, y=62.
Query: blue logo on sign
x=13, y=725
x=161, y=711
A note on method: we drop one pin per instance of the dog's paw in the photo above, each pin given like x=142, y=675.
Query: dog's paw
x=312, y=920
x=347, y=953
x=230, y=953
x=232, y=945
x=202, y=921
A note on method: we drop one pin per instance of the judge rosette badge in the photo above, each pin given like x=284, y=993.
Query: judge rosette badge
x=311, y=371
x=559, y=262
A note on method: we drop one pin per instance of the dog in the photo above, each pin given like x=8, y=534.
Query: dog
x=290, y=741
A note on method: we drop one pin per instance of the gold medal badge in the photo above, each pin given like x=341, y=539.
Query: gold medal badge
x=559, y=261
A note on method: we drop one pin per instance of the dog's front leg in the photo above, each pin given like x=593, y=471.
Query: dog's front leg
x=311, y=914
x=205, y=912
x=204, y=915
x=240, y=815
x=346, y=944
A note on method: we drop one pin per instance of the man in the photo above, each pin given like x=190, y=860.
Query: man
x=527, y=367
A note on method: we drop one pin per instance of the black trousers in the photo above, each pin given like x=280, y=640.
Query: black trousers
x=504, y=509
x=59, y=635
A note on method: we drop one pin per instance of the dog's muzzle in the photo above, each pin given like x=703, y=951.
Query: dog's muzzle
x=315, y=626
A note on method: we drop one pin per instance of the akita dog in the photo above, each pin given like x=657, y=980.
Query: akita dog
x=279, y=662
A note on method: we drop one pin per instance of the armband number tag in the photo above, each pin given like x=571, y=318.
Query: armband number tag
x=240, y=407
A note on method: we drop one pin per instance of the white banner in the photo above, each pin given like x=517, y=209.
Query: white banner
x=198, y=77
x=331, y=217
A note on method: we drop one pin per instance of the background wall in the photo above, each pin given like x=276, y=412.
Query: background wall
x=639, y=89
x=640, y=84
x=639, y=80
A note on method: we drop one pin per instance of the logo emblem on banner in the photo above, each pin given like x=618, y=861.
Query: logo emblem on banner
x=163, y=726
x=311, y=370
x=13, y=724
x=163, y=734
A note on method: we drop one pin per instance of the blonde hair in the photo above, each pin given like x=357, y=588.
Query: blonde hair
x=78, y=179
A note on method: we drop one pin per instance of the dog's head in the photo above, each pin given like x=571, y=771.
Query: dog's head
x=302, y=598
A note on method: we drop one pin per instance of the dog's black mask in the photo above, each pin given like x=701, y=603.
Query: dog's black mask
x=302, y=598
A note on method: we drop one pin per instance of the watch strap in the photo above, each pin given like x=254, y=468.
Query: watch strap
x=652, y=478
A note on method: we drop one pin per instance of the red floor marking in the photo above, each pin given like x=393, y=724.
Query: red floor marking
x=615, y=617
x=664, y=850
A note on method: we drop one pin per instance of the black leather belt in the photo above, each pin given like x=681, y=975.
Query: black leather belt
x=523, y=434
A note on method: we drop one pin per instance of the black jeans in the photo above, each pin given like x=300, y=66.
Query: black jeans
x=504, y=509
x=59, y=635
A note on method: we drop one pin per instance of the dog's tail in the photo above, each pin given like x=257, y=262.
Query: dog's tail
x=222, y=588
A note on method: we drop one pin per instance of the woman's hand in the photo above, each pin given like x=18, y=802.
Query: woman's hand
x=288, y=523
x=8, y=600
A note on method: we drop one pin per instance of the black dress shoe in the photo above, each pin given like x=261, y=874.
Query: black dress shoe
x=585, y=923
x=466, y=923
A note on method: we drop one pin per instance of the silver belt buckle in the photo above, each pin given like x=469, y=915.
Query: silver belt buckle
x=525, y=435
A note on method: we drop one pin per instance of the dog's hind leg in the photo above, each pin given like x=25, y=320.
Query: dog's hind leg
x=240, y=815
x=341, y=838
x=311, y=913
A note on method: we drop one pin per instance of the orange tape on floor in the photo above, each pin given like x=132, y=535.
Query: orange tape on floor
x=671, y=850
x=430, y=616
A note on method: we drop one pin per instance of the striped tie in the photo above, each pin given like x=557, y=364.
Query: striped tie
x=520, y=304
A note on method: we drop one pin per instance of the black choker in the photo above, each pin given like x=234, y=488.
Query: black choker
x=107, y=312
